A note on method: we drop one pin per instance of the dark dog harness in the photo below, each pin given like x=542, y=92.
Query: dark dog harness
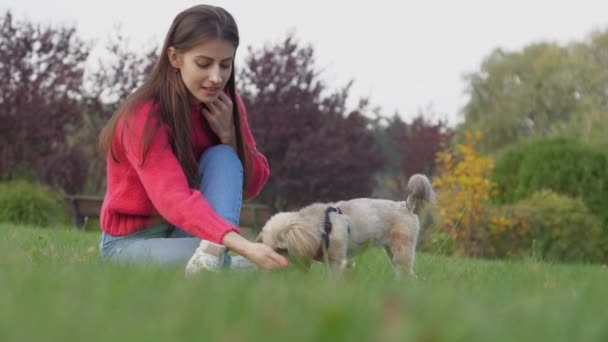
x=326, y=231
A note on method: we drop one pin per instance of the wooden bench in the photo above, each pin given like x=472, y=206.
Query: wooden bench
x=82, y=208
x=254, y=215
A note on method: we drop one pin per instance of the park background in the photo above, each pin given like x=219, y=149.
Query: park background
x=516, y=150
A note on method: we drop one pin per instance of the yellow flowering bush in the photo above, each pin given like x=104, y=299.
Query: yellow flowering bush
x=464, y=190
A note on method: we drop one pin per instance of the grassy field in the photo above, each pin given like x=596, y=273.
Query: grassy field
x=52, y=288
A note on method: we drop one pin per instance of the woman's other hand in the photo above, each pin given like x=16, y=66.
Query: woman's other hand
x=219, y=116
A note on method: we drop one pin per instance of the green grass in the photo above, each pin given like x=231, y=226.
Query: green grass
x=52, y=288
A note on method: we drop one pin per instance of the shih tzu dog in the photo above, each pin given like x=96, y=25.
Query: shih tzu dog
x=336, y=232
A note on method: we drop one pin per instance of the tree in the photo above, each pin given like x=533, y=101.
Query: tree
x=392, y=139
x=591, y=126
x=407, y=149
x=42, y=70
x=419, y=146
x=317, y=150
x=528, y=93
x=121, y=72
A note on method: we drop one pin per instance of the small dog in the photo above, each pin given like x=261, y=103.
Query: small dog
x=339, y=231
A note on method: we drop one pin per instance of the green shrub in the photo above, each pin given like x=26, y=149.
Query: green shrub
x=562, y=165
x=552, y=226
x=26, y=203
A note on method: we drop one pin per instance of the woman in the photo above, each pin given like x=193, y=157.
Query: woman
x=181, y=155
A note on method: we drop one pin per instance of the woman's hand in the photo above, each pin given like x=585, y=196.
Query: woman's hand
x=219, y=116
x=261, y=255
x=265, y=257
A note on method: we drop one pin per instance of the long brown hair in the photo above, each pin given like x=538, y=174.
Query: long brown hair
x=164, y=86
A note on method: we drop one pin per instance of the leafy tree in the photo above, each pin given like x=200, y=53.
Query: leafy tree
x=392, y=139
x=590, y=127
x=528, y=93
x=317, y=150
x=388, y=180
x=121, y=71
x=408, y=149
x=420, y=145
x=42, y=70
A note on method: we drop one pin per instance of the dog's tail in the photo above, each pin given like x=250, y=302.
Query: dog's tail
x=418, y=191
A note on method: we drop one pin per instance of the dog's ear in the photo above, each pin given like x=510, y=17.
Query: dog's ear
x=283, y=236
x=298, y=240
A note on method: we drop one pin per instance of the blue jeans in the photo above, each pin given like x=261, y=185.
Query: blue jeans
x=221, y=174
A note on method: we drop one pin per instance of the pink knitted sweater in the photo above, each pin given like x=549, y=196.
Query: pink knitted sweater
x=138, y=195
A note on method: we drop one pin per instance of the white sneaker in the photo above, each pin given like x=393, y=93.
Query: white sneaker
x=208, y=256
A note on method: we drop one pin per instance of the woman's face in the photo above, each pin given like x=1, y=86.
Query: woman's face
x=205, y=69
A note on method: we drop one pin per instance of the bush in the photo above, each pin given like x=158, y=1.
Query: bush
x=464, y=190
x=552, y=226
x=26, y=203
x=562, y=165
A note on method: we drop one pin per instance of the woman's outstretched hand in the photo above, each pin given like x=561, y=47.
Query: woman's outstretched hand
x=265, y=257
x=219, y=116
x=261, y=255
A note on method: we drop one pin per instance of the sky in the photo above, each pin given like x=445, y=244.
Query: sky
x=405, y=56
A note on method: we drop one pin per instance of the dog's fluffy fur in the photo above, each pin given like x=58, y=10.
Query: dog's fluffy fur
x=363, y=222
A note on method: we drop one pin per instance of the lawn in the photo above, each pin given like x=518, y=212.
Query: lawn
x=53, y=288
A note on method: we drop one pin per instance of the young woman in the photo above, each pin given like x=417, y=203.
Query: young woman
x=181, y=156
